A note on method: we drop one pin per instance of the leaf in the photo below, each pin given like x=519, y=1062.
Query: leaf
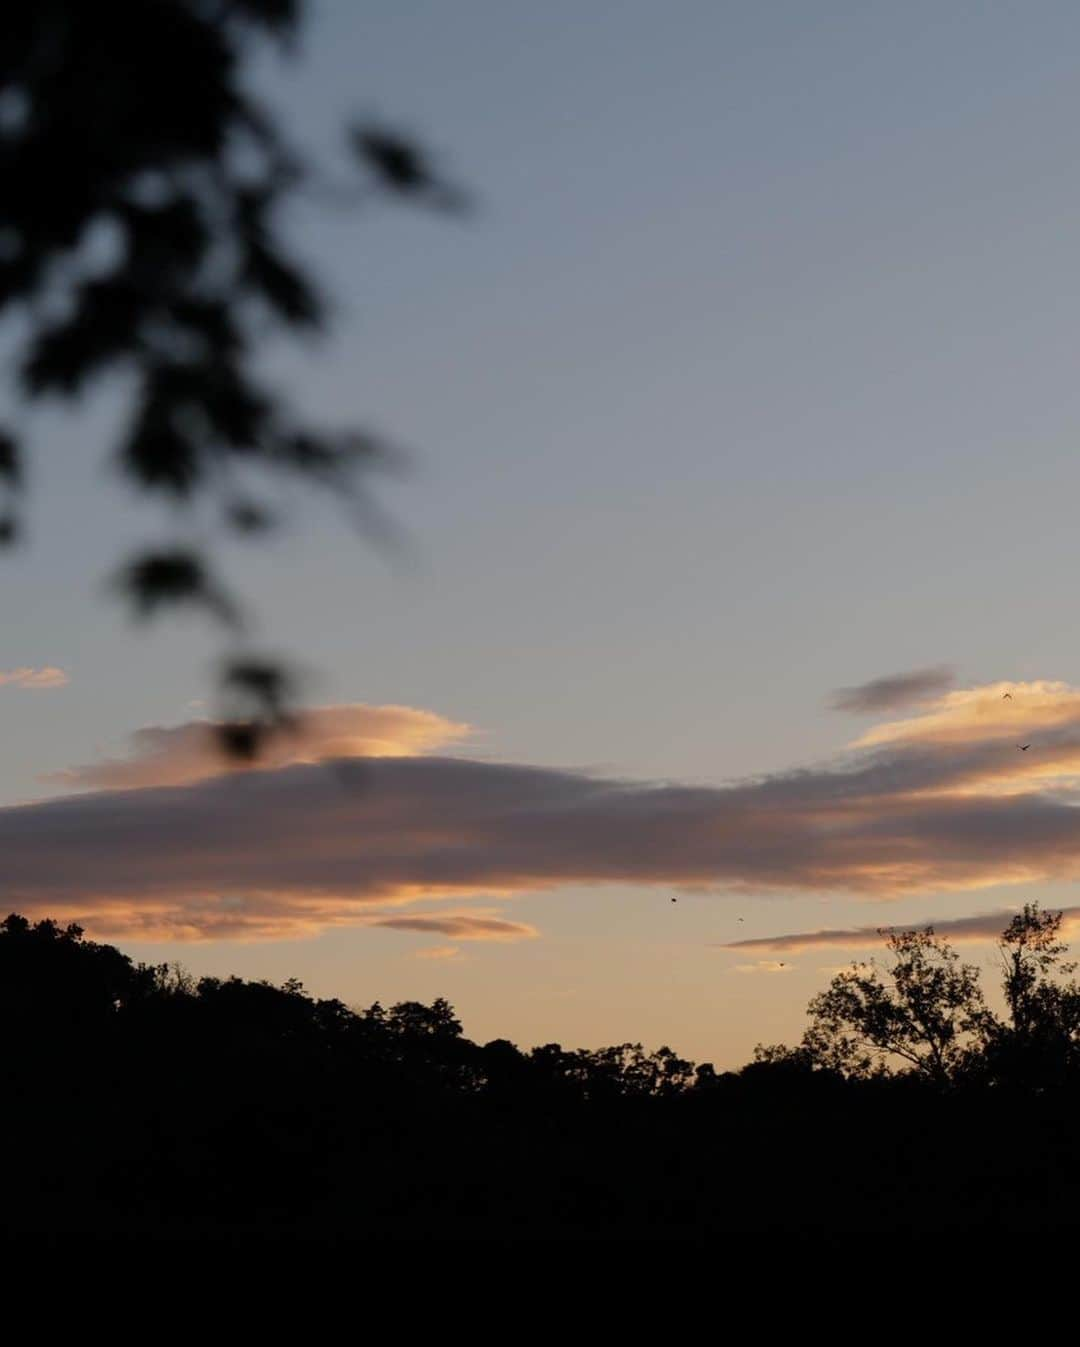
x=164, y=240
x=160, y=454
x=403, y=167
x=261, y=692
x=158, y=579
x=211, y=324
x=281, y=285
x=260, y=681
x=241, y=738
x=231, y=408
x=248, y=517
x=10, y=460
x=104, y=328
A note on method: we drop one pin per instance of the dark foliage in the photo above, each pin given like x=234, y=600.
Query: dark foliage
x=140, y=234
x=141, y=1101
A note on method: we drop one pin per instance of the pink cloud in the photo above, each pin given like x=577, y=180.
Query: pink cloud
x=181, y=754
x=34, y=679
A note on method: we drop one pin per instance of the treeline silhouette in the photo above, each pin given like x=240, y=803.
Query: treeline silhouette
x=141, y=1101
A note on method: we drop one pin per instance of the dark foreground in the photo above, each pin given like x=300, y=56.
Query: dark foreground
x=136, y=1102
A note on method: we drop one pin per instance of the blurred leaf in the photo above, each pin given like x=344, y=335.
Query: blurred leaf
x=159, y=453
x=398, y=162
x=260, y=693
x=210, y=323
x=248, y=517
x=274, y=14
x=241, y=738
x=282, y=285
x=401, y=166
x=10, y=460
x=166, y=239
x=104, y=328
x=260, y=681
x=188, y=410
x=158, y=579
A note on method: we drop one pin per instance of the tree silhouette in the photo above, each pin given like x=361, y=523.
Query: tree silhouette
x=1039, y=1045
x=140, y=237
x=53, y=979
x=1032, y=955
x=141, y=1100
x=925, y=1008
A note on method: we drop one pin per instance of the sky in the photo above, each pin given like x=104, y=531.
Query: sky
x=741, y=415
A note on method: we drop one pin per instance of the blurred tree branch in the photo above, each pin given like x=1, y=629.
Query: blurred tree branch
x=131, y=120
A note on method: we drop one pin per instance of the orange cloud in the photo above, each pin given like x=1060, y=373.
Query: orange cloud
x=47, y=677
x=763, y=966
x=982, y=729
x=989, y=713
x=266, y=916
x=443, y=952
x=942, y=801
x=181, y=754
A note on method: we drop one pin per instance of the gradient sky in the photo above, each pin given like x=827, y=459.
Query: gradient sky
x=751, y=378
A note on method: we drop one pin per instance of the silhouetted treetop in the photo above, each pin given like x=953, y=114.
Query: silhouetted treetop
x=1038, y=1045
x=50, y=976
x=925, y=1008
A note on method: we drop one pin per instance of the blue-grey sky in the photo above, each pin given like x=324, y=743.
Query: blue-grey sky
x=751, y=377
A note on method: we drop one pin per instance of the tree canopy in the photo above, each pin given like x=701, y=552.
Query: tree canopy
x=925, y=1009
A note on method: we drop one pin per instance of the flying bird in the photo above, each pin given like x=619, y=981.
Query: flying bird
x=1006, y=696
x=1023, y=747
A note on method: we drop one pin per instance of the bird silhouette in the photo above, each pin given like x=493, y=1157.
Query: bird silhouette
x=674, y=900
x=1006, y=696
x=1023, y=747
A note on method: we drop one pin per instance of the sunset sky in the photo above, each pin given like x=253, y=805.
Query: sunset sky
x=742, y=414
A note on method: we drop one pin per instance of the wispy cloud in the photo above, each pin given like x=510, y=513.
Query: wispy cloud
x=441, y=952
x=895, y=691
x=460, y=926
x=982, y=928
x=34, y=679
x=763, y=966
x=942, y=801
